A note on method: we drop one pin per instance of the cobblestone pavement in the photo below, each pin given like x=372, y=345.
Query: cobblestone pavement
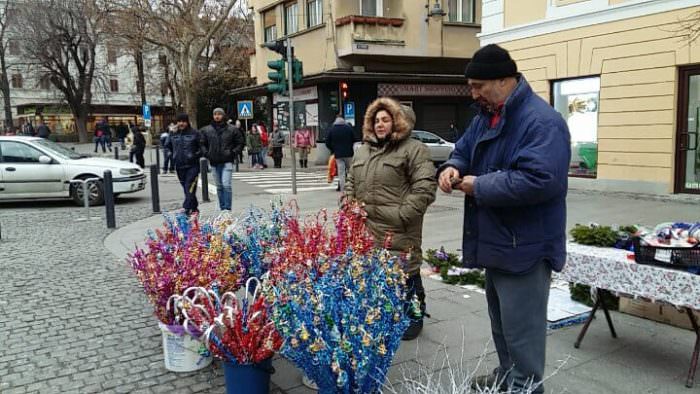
x=72, y=316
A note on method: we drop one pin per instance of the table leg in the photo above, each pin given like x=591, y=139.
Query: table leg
x=694, y=359
x=607, y=313
x=588, y=323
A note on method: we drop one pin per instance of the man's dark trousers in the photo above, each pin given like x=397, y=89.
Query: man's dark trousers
x=188, y=179
x=518, y=311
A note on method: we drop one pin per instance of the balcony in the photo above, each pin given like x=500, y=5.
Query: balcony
x=357, y=34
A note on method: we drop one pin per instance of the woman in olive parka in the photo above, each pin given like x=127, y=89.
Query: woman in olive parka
x=394, y=177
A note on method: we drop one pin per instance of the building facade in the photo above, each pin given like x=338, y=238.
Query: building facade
x=354, y=51
x=115, y=93
x=626, y=76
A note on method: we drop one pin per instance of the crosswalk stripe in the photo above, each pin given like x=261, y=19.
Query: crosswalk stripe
x=280, y=182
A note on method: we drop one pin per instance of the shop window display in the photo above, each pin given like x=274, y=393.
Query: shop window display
x=578, y=101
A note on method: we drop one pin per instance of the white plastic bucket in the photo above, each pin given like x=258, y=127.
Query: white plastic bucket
x=182, y=353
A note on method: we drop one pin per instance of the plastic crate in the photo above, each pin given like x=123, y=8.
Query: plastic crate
x=668, y=257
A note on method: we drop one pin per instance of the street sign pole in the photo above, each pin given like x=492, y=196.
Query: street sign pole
x=292, y=129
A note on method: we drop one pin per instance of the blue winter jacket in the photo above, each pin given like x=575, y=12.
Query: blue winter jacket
x=517, y=216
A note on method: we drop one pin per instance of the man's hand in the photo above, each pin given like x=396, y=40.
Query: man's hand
x=446, y=177
x=467, y=185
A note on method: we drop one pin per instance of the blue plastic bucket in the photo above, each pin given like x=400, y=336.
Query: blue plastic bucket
x=248, y=378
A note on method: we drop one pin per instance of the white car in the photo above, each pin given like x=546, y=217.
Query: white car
x=33, y=167
x=440, y=149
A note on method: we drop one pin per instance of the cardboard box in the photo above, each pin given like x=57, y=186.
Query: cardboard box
x=661, y=313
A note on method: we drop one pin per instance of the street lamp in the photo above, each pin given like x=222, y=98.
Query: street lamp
x=436, y=11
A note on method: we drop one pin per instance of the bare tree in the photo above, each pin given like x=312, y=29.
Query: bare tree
x=4, y=47
x=184, y=29
x=126, y=29
x=60, y=39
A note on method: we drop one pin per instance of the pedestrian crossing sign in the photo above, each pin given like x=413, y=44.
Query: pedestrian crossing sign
x=245, y=109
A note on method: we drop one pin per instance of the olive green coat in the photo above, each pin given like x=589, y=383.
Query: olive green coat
x=395, y=181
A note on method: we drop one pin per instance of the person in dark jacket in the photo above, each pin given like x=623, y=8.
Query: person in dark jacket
x=101, y=135
x=221, y=144
x=277, y=144
x=512, y=164
x=184, y=145
x=139, y=147
x=122, y=131
x=168, y=162
x=339, y=141
x=43, y=130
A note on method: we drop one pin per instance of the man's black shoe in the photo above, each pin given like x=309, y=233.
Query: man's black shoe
x=413, y=330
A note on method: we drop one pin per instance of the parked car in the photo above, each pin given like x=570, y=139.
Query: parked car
x=440, y=149
x=33, y=167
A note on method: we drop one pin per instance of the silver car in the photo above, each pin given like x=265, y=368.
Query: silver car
x=37, y=168
x=440, y=149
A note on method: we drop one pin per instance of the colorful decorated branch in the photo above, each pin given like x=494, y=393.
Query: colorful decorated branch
x=339, y=305
x=183, y=254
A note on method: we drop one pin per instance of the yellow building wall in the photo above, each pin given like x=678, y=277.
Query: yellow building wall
x=519, y=12
x=637, y=61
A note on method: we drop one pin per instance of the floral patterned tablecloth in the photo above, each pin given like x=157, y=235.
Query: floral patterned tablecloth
x=611, y=269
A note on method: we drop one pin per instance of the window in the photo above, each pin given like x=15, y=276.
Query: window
x=461, y=11
x=17, y=81
x=291, y=18
x=111, y=56
x=113, y=85
x=270, y=26
x=17, y=152
x=577, y=101
x=45, y=82
x=13, y=47
x=371, y=7
x=314, y=12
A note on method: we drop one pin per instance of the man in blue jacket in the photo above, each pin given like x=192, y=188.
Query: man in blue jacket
x=184, y=146
x=339, y=141
x=512, y=164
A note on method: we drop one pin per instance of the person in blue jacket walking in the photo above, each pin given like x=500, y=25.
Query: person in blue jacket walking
x=184, y=145
x=512, y=165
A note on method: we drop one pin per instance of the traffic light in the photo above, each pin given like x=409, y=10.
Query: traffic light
x=278, y=77
x=333, y=99
x=344, y=90
x=297, y=71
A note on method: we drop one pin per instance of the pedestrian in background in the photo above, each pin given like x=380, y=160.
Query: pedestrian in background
x=265, y=140
x=168, y=162
x=394, y=177
x=222, y=143
x=122, y=132
x=303, y=142
x=43, y=131
x=254, y=144
x=99, y=139
x=138, y=147
x=277, y=144
x=244, y=135
x=184, y=143
x=512, y=165
x=339, y=141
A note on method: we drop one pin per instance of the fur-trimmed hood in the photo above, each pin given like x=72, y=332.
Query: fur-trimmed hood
x=403, y=123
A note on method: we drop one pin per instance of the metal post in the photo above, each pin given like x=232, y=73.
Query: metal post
x=155, y=197
x=203, y=175
x=158, y=157
x=109, y=199
x=116, y=152
x=86, y=198
x=292, y=129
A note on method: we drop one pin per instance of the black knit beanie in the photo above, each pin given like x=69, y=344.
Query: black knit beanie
x=183, y=118
x=491, y=62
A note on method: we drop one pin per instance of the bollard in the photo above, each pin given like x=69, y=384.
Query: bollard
x=204, y=176
x=116, y=152
x=109, y=200
x=86, y=198
x=155, y=197
x=158, y=156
